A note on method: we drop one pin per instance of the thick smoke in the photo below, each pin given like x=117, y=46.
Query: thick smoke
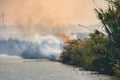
x=34, y=33
x=48, y=48
x=40, y=42
x=34, y=18
x=39, y=24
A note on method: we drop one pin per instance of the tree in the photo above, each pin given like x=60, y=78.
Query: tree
x=111, y=20
x=72, y=53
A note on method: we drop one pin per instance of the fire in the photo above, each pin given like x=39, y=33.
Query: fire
x=65, y=37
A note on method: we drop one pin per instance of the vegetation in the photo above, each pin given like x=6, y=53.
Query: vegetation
x=72, y=53
x=99, y=52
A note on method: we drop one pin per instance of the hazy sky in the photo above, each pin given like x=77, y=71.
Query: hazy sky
x=50, y=12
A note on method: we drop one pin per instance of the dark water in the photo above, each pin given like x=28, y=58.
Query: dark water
x=22, y=69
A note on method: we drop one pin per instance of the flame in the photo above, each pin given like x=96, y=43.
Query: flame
x=65, y=37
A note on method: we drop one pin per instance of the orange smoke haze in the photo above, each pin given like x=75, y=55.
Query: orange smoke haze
x=31, y=16
x=48, y=12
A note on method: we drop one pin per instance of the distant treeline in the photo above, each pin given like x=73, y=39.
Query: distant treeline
x=99, y=52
